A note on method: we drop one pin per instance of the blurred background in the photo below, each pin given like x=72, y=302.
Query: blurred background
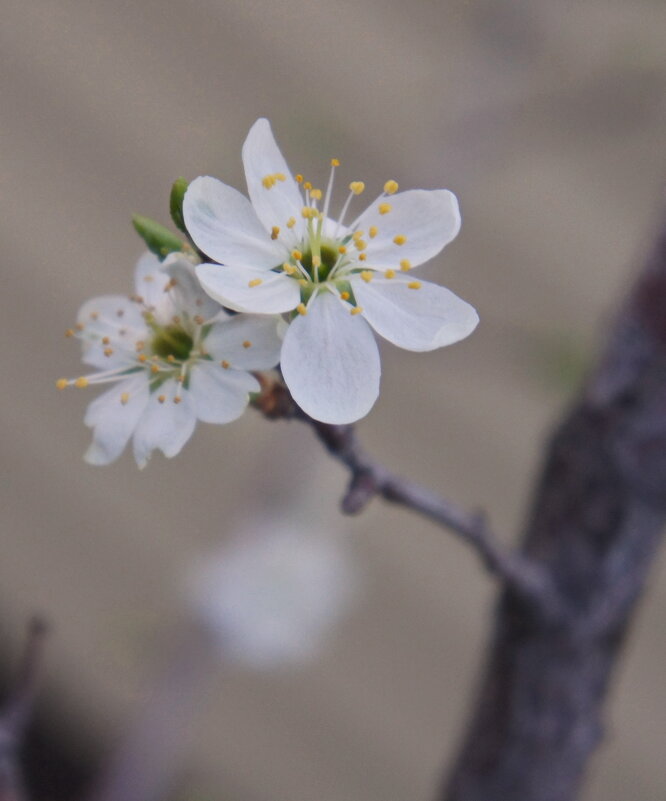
x=547, y=119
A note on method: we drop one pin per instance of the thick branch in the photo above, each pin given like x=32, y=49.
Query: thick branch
x=595, y=525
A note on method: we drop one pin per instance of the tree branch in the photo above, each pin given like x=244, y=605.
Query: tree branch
x=369, y=478
x=569, y=592
x=595, y=526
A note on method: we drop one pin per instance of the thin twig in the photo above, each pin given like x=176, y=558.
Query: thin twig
x=530, y=580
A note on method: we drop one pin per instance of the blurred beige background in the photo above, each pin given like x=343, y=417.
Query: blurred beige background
x=547, y=119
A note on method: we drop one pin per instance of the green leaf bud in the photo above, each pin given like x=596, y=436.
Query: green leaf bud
x=176, y=203
x=159, y=239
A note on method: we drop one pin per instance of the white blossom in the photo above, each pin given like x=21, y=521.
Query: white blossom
x=271, y=596
x=281, y=252
x=173, y=355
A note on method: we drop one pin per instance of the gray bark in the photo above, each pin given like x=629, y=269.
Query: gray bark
x=595, y=525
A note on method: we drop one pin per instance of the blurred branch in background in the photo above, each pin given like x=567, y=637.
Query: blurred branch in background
x=16, y=715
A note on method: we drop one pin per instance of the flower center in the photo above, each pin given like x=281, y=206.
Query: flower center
x=172, y=341
x=319, y=271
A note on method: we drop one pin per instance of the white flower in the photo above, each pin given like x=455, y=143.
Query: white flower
x=270, y=597
x=282, y=253
x=173, y=355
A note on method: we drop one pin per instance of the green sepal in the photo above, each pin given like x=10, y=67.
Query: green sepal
x=176, y=203
x=159, y=239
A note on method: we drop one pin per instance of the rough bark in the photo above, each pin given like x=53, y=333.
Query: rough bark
x=594, y=526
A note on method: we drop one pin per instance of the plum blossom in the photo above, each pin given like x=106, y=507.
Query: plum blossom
x=173, y=355
x=281, y=252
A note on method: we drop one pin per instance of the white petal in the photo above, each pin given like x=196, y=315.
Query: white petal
x=165, y=426
x=261, y=158
x=114, y=318
x=330, y=362
x=149, y=280
x=186, y=295
x=229, y=285
x=220, y=395
x=247, y=341
x=429, y=219
x=225, y=227
x=415, y=319
x=113, y=421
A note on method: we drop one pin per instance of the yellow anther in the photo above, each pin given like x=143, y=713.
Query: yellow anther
x=358, y=235
x=308, y=212
x=105, y=340
x=362, y=256
x=345, y=295
x=400, y=239
x=247, y=344
x=384, y=208
x=124, y=398
x=361, y=244
x=342, y=249
x=108, y=351
x=356, y=310
x=177, y=399
x=391, y=187
x=142, y=357
x=198, y=319
x=296, y=255
x=405, y=265
x=154, y=368
x=94, y=315
x=288, y=268
x=389, y=274
x=356, y=187
x=291, y=222
x=140, y=345
x=81, y=382
x=79, y=326
x=61, y=383
x=366, y=275
x=372, y=233
x=303, y=281
x=170, y=284
x=268, y=181
x=307, y=186
x=224, y=363
x=315, y=194
x=69, y=332
x=275, y=232
x=255, y=282
x=316, y=261
x=301, y=308
x=171, y=358
x=335, y=162
x=414, y=285
x=161, y=398
x=280, y=176
x=299, y=178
